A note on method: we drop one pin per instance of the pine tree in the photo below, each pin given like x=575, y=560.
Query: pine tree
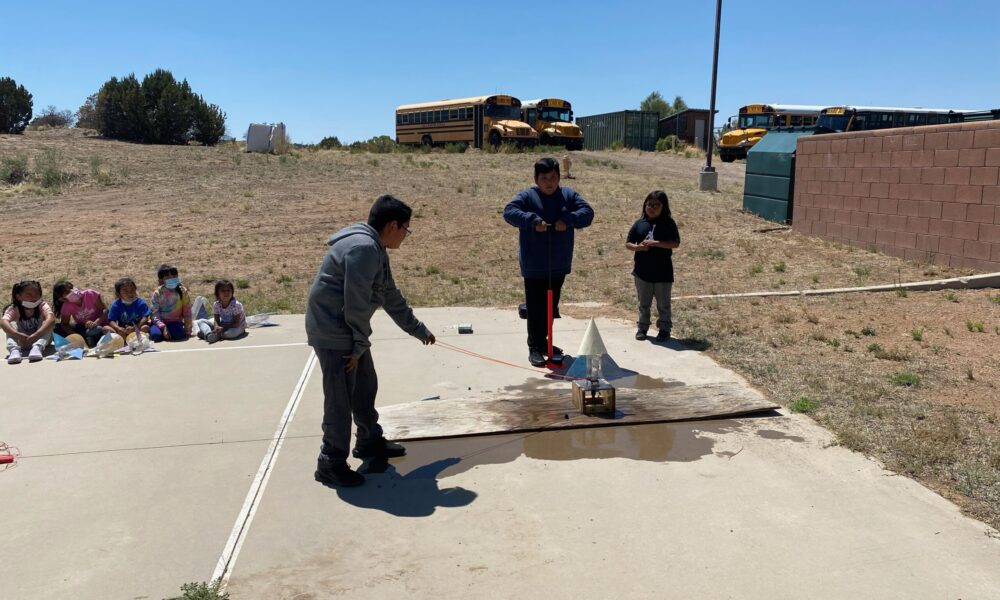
x=15, y=106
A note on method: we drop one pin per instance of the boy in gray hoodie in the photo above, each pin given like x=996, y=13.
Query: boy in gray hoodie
x=353, y=281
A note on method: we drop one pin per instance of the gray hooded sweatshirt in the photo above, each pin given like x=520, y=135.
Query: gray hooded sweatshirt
x=353, y=282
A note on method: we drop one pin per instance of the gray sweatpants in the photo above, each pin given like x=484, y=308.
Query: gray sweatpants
x=40, y=343
x=205, y=326
x=347, y=395
x=646, y=291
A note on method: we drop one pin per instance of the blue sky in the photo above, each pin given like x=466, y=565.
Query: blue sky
x=327, y=68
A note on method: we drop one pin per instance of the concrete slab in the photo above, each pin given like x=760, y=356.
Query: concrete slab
x=748, y=508
x=134, y=468
x=751, y=508
x=121, y=524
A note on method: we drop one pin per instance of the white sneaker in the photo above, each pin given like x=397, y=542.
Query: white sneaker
x=14, y=358
x=35, y=355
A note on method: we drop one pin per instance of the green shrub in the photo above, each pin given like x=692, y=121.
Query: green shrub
x=906, y=379
x=330, y=142
x=209, y=123
x=52, y=118
x=381, y=144
x=14, y=169
x=671, y=143
x=160, y=110
x=202, y=591
x=456, y=147
x=803, y=405
x=47, y=167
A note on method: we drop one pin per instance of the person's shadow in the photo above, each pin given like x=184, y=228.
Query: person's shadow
x=415, y=494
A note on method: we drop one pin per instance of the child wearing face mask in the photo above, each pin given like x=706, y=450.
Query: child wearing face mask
x=80, y=311
x=128, y=312
x=28, y=322
x=170, y=307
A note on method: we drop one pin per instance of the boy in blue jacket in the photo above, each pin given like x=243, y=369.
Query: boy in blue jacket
x=546, y=216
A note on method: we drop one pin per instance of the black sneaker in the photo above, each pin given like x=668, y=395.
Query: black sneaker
x=380, y=448
x=662, y=336
x=640, y=335
x=338, y=474
x=535, y=357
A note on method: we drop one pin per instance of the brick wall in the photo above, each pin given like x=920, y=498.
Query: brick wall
x=920, y=193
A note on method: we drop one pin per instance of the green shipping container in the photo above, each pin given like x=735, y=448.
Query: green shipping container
x=769, y=185
x=631, y=128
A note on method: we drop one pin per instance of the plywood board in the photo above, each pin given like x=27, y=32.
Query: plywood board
x=554, y=410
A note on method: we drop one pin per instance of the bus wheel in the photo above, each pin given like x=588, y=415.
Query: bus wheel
x=494, y=139
x=545, y=140
x=728, y=158
x=426, y=141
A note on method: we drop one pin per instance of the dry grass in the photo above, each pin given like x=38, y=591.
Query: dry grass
x=263, y=220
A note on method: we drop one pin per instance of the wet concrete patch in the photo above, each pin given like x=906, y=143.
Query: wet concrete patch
x=770, y=434
x=662, y=442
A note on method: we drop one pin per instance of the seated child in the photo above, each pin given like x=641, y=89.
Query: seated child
x=85, y=308
x=170, y=307
x=230, y=321
x=128, y=312
x=28, y=322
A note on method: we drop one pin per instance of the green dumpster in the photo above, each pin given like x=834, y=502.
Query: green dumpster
x=769, y=186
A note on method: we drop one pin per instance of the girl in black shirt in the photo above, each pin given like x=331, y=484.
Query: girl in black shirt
x=651, y=238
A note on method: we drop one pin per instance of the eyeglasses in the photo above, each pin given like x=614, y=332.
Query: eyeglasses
x=407, y=230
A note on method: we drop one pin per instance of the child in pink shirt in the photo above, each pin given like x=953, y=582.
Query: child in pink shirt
x=84, y=307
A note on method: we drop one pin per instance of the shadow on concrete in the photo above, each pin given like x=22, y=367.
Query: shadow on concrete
x=415, y=494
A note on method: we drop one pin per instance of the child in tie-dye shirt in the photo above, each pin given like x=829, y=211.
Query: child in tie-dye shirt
x=170, y=307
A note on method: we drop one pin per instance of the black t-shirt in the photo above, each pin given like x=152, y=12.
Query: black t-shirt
x=654, y=265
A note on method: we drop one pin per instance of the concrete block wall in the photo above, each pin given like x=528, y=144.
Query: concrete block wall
x=920, y=193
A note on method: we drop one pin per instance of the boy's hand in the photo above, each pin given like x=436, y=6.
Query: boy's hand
x=166, y=334
x=560, y=226
x=542, y=227
x=430, y=340
x=350, y=363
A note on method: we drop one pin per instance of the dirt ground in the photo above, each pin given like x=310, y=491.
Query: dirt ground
x=910, y=379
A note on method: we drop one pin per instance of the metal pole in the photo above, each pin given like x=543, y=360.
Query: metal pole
x=708, y=179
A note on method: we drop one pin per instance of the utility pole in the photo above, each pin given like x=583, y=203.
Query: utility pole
x=708, y=179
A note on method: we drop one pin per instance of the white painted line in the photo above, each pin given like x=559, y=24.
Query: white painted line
x=224, y=567
x=229, y=348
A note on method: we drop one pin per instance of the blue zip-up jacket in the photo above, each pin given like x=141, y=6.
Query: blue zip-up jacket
x=549, y=253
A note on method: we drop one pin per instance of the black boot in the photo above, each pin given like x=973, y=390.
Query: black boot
x=337, y=473
x=380, y=448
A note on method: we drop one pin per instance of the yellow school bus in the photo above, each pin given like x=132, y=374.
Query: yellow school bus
x=476, y=121
x=754, y=121
x=860, y=118
x=552, y=118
